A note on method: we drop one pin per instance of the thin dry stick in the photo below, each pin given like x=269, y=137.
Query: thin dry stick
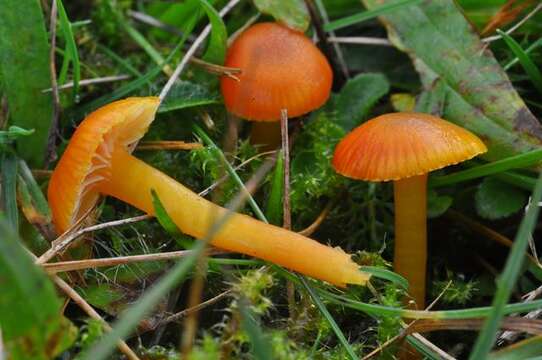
x=216, y=69
x=361, y=40
x=309, y=230
x=403, y=332
x=168, y=145
x=286, y=209
x=241, y=165
x=74, y=295
x=63, y=266
x=510, y=336
x=67, y=238
x=192, y=50
x=86, y=82
x=50, y=154
x=178, y=316
x=340, y=57
x=515, y=27
x=152, y=21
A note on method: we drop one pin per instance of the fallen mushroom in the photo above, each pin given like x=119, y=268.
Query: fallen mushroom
x=280, y=69
x=98, y=161
x=404, y=147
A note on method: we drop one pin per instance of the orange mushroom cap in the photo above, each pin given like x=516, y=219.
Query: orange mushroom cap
x=400, y=145
x=280, y=69
x=72, y=188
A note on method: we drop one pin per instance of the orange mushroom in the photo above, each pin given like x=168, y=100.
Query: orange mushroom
x=98, y=161
x=404, y=147
x=280, y=69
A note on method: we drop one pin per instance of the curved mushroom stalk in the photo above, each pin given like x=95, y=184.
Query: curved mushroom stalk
x=98, y=161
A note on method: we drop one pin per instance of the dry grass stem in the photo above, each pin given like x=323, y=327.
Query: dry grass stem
x=515, y=27
x=309, y=230
x=168, y=145
x=361, y=40
x=87, y=82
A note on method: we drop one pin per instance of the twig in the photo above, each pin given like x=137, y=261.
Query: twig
x=178, y=316
x=63, y=241
x=217, y=69
x=511, y=335
x=50, y=154
x=74, y=295
x=152, y=21
x=336, y=46
x=241, y=165
x=326, y=46
x=192, y=50
x=286, y=213
x=515, y=27
x=86, y=82
x=309, y=230
x=362, y=40
x=168, y=145
x=63, y=266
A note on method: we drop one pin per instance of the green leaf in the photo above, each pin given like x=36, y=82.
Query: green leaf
x=32, y=327
x=446, y=49
x=13, y=133
x=24, y=71
x=508, y=279
x=381, y=273
x=437, y=204
x=273, y=211
x=496, y=200
x=216, y=49
x=185, y=94
x=357, y=98
x=71, y=48
x=292, y=13
x=167, y=223
x=530, y=67
x=8, y=175
x=367, y=15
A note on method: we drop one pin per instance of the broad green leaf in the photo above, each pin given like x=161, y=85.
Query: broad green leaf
x=185, y=94
x=175, y=14
x=30, y=311
x=273, y=210
x=292, y=13
x=403, y=102
x=24, y=71
x=216, y=48
x=357, y=98
x=437, y=204
x=507, y=280
x=496, y=199
x=479, y=96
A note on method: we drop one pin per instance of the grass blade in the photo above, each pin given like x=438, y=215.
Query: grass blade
x=386, y=275
x=71, y=48
x=261, y=348
x=9, y=189
x=528, y=159
x=530, y=67
x=531, y=47
x=323, y=310
x=367, y=15
x=507, y=280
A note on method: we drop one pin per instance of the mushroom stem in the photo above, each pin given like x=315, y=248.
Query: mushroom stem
x=410, y=256
x=266, y=135
x=131, y=181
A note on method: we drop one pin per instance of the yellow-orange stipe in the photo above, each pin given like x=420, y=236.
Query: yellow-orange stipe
x=280, y=69
x=400, y=145
x=404, y=147
x=98, y=161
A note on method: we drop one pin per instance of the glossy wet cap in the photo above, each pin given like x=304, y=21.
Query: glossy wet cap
x=400, y=145
x=72, y=188
x=280, y=69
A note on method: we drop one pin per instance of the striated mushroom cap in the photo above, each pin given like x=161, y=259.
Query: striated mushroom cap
x=73, y=186
x=400, y=145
